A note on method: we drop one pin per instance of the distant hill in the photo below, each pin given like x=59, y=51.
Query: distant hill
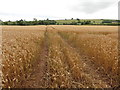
x=88, y=21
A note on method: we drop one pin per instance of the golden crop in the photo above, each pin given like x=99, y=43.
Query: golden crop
x=21, y=48
x=74, y=56
x=0, y=56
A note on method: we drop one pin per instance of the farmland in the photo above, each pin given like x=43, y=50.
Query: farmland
x=57, y=56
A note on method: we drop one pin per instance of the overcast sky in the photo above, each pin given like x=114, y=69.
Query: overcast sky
x=58, y=9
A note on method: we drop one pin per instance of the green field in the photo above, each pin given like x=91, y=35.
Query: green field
x=93, y=21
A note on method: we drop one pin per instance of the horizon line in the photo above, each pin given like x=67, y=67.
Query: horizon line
x=60, y=19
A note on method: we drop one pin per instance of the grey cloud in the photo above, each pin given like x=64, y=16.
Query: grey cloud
x=91, y=7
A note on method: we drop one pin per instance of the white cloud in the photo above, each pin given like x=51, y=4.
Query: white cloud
x=57, y=9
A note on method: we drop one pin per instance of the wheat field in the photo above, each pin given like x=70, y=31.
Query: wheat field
x=60, y=56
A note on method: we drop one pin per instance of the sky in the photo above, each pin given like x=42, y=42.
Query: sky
x=58, y=9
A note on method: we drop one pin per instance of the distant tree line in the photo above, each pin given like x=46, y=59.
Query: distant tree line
x=54, y=22
x=34, y=22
